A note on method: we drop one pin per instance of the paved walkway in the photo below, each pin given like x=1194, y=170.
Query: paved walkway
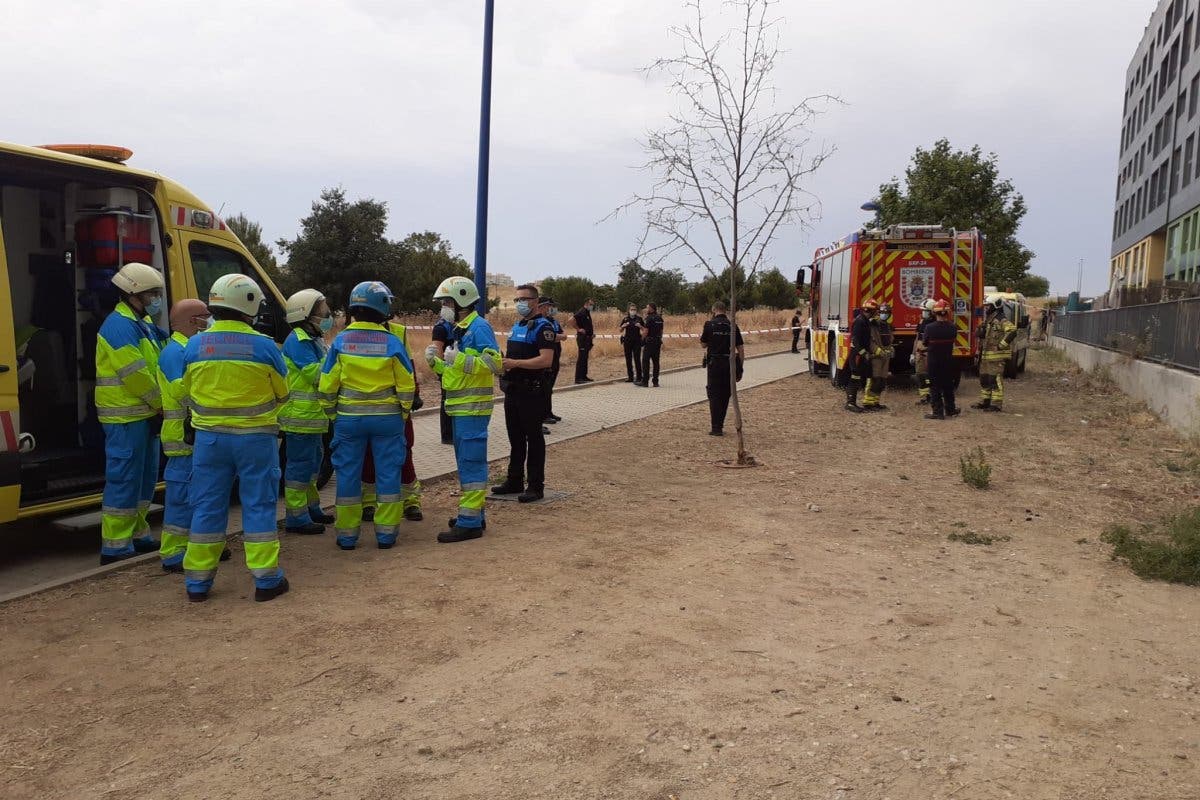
x=585, y=410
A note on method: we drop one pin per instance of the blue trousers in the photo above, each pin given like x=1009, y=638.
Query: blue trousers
x=177, y=516
x=218, y=458
x=130, y=472
x=470, y=454
x=304, y=454
x=351, y=436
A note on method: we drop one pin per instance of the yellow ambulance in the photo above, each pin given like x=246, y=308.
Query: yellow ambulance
x=70, y=215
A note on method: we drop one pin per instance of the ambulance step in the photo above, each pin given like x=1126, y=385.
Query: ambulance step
x=91, y=519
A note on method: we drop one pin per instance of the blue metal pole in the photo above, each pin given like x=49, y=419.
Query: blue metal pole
x=485, y=146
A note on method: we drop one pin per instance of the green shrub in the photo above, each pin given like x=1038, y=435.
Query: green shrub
x=975, y=469
x=971, y=537
x=1166, y=551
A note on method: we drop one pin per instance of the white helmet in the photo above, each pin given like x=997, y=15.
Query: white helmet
x=460, y=289
x=237, y=293
x=134, y=277
x=994, y=300
x=928, y=305
x=300, y=305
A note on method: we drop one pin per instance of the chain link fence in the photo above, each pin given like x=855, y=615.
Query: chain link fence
x=1166, y=333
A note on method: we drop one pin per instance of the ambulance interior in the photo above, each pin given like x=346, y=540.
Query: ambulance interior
x=61, y=292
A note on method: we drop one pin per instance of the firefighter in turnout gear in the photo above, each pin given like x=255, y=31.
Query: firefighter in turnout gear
x=302, y=419
x=467, y=367
x=881, y=359
x=996, y=336
x=234, y=380
x=128, y=403
x=367, y=380
x=920, y=356
x=864, y=338
x=939, y=335
x=188, y=317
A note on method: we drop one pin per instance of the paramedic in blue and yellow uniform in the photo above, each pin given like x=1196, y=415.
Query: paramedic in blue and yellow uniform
x=128, y=403
x=188, y=317
x=467, y=367
x=234, y=380
x=303, y=419
x=368, y=379
x=527, y=360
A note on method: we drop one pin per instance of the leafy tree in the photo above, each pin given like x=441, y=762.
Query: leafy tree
x=569, y=292
x=631, y=284
x=251, y=234
x=1033, y=286
x=341, y=244
x=962, y=189
x=606, y=296
x=714, y=288
x=774, y=290
x=426, y=259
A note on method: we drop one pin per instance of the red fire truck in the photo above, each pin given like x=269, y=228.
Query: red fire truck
x=903, y=265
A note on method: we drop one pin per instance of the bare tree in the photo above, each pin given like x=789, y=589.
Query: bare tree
x=729, y=168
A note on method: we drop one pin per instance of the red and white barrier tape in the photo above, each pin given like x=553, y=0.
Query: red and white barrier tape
x=618, y=336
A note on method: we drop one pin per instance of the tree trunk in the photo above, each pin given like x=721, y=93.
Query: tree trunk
x=733, y=388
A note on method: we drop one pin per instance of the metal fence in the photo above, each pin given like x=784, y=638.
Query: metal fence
x=1167, y=333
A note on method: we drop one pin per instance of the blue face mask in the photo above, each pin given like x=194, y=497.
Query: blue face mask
x=326, y=324
x=154, y=307
x=524, y=307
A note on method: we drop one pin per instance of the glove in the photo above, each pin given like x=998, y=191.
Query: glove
x=450, y=353
x=879, y=352
x=431, y=354
x=418, y=403
x=913, y=359
x=740, y=371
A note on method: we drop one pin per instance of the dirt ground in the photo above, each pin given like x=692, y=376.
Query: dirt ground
x=670, y=630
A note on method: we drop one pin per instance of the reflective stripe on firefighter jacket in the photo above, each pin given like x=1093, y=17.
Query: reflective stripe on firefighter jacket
x=996, y=337
x=170, y=384
x=223, y=379
x=304, y=356
x=367, y=372
x=126, y=368
x=468, y=380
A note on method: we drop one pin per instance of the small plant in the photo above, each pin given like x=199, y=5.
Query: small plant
x=971, y=537
x=975, y=469
x=1166, y=551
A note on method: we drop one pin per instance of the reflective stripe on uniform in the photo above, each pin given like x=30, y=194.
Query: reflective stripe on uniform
x=484, y=406
x=260, y=538
x=388, y=498
x=354, y=394
x=304, y=396
x=173, y=414
x=244, y=411
x=271, y=429
x=479, y=391
x=109, y=382
x=206, y=538
x=129, y=369
x=474, y=487
x=310, y=424
x=120, y=411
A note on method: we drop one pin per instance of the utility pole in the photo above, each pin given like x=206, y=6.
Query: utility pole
x=1079, y=283
x=485, y=147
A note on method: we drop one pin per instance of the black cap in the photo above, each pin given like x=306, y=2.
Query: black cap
x=545, y=301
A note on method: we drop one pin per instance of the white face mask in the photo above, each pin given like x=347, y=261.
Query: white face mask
x=448, y=314
x=208, y=323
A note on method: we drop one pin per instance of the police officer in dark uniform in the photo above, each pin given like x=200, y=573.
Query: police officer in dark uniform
x=631, y=341
x=527, y=359
x=443, y=334
x=585, y=337
x=546, y=309
x=720, y=338
x=796, y=322
x=943, y=371
x=652, y=336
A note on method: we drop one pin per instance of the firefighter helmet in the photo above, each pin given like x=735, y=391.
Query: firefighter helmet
x=460, y=289
x=135, y=277
x=301, y=305
x=236, y=293
x=869, y=305
x=940, y=308
x=993, y=302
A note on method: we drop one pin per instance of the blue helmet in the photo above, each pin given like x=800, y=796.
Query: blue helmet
x=374, y=295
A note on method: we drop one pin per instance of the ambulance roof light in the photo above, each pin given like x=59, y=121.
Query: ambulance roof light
x=101, y=152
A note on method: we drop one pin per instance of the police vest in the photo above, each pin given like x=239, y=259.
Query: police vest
x=526, y=341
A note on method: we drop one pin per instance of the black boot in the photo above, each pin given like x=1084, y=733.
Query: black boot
x=457, y=534
x=368, y=514
x=531, y=496
x=954, y=412
x=106, y=560
x=982, y=404
x=413, y=514
x=263, y=595
x=226, y=554
x=509, y=487
x=935, y=415
x=176, y=569
x=853, y=406
x=453, y=522
x=321, y=518
x=307, y=529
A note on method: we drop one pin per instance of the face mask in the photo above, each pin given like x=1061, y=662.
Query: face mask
x=633, y=312
x=552, y=312
x=326, y=324
x=154, y=307
x=523, y=308
x=448, y=314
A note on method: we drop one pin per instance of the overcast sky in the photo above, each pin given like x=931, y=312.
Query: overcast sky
x=258, y=105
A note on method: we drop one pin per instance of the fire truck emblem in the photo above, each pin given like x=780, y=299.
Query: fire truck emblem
x=916, y=285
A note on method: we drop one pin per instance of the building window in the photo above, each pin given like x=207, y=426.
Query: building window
x=1176, y=165
x=1192, y=96
x=1188, y=159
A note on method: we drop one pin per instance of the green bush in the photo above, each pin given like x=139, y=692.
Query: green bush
x=1166, y=551
x=975, y=469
